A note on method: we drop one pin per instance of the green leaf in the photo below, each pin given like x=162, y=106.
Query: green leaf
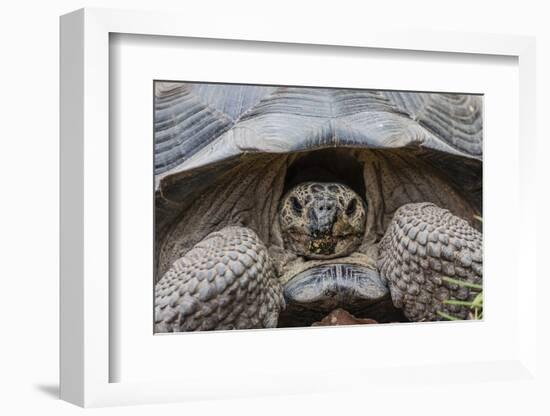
x=458, y=302
x=462, y=283
x=478, y=301
x=447, y=316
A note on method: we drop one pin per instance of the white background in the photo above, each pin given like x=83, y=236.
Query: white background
x=29, y=172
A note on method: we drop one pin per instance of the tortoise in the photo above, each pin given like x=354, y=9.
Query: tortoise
x=276, y=205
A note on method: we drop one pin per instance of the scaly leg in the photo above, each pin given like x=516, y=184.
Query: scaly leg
x=423, y=245
x=226, y=281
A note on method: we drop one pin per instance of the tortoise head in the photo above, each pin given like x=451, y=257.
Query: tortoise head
x=322, y=220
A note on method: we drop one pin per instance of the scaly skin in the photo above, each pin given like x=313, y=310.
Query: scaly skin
x=225, y=282
x=424, y=244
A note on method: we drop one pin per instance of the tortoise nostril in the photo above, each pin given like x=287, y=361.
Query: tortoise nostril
x=322, y=216
x=327, y=206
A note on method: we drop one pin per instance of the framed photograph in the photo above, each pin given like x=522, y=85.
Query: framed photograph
x=268, y=212
x=283, y=206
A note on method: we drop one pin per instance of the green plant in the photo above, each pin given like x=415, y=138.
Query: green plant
x=475, y=305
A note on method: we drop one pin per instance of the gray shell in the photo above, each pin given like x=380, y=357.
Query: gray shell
x=200, y=125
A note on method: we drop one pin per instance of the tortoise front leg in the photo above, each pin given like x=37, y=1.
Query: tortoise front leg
x=226, y=281
x=432, y=261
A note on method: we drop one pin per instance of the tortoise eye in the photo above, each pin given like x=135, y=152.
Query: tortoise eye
x=296, y=206
x=352, y=206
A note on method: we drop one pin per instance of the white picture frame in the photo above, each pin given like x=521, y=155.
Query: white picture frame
x=86, y=354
